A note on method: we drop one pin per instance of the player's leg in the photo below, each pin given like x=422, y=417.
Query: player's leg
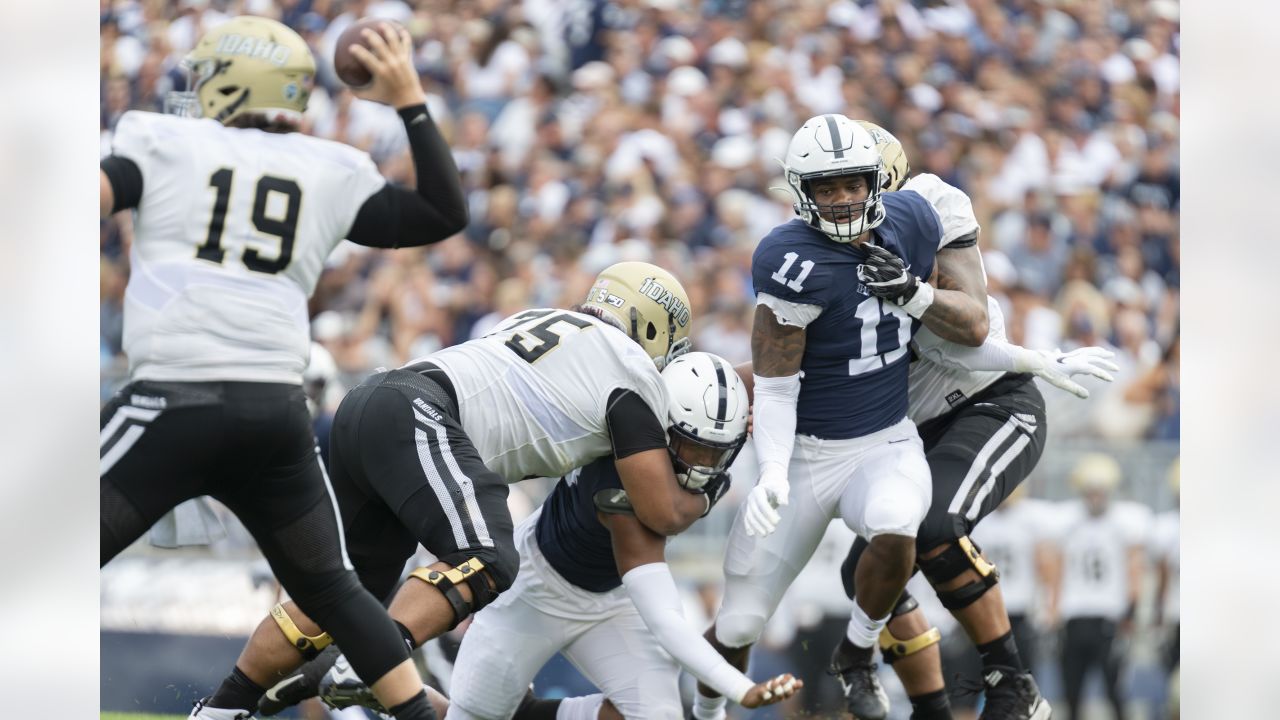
x=980, y=458
x=758, y=571
x=293, y=514
x=1112, y=661
x=910, y=646
x=156, y=443
x=1076, y=657
x=884, y=501
x=505, y=645
x=621, y=658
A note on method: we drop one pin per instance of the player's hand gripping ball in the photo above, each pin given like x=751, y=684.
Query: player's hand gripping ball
x=345, y=64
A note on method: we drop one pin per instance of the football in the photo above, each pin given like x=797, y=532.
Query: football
x=348, y=68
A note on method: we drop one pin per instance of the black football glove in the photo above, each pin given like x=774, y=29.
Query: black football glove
x=715, y=489
x=886, y=277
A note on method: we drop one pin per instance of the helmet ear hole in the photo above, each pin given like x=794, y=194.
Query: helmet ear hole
x=228, y=91
x=651, y=332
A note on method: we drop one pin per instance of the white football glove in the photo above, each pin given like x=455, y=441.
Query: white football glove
x=760, y=515
x=1057, y=368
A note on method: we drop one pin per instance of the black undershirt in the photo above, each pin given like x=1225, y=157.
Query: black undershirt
x=633, y=427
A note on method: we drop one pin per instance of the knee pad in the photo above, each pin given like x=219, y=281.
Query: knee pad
x=898, y=514
x=735, y=630
x=474, y=573
x=309, y=645
x=960, y=556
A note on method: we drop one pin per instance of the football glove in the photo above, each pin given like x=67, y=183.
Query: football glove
x=886, y=277
x=1057, y=368
x=760, y=515
x=716, y=489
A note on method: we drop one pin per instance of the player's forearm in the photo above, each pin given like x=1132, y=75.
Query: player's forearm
x=438, y=180
x=653, y=591
x=774, y=419
x=992, y=354
x=957, y=317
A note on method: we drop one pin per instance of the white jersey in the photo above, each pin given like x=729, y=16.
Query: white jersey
x=955, y=210
x=1008, y=537
x=933, y=389
x=1165, y=548
x=533, y=393
x=230, y=236
x=1095, y=575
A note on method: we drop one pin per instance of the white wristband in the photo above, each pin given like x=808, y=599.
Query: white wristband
x=919, y=302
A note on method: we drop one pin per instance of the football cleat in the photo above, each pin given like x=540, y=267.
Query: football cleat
x=342, y=688
x=302, y=684
x=1013, y=696
x=864, y=697
x=202, y=711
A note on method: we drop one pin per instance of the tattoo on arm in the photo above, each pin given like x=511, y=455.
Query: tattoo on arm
x=776, y=349
x=959, y=309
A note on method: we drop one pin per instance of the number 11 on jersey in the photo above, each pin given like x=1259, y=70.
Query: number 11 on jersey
x=780, y=276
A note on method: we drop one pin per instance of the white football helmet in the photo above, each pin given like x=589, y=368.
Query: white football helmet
x=829, y=146
x=707, y=414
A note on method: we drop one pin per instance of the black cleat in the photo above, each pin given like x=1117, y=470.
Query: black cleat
x=1013, y=696
x=852, y=667
x=302, y=684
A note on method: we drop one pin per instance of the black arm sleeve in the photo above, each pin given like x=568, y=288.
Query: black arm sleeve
x=633, y=427
x=126, y=181
x=396, y=216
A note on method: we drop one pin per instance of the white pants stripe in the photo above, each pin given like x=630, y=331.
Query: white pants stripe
x=980, y=463
x=140, y=416
x=998, y=467
x=437, y=483
x=337, y=514
x=464, y=484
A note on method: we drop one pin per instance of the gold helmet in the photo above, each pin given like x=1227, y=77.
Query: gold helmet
x=247, y=65
x=1096, y=471
x=892, y=155
x=647, y=303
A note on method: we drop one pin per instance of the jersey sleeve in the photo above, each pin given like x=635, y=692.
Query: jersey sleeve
x=790, y=271
x=955, y=210
x=135, y=140
x=633, y=427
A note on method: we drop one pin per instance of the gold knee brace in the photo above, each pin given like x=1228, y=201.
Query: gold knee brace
x=892, y=649
x=470, y=572
x=309, y=645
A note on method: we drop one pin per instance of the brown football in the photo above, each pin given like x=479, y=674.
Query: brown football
x=349, y=69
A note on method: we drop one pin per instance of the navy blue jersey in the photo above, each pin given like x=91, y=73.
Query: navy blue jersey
x=856, y=355
x=570, y=534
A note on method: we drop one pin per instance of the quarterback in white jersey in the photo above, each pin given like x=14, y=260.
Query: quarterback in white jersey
x=423, y=454
x=234, y=214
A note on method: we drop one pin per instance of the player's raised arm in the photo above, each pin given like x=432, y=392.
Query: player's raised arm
x=396, y=216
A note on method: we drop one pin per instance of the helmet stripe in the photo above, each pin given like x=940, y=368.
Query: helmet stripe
x=724, y=395
x=835, y=135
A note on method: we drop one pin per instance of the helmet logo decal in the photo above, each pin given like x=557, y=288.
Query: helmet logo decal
x=259, y=48
x=655, y=291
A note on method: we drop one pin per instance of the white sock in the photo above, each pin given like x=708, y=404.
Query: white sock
x=705, y=708
x=863, y=631
x=580, y=708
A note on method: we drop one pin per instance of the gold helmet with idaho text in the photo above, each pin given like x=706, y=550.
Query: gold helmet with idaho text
x=247, y=65
x=892, y=155
x=649, y=304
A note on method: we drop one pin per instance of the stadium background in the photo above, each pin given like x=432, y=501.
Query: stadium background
x=592, y=132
